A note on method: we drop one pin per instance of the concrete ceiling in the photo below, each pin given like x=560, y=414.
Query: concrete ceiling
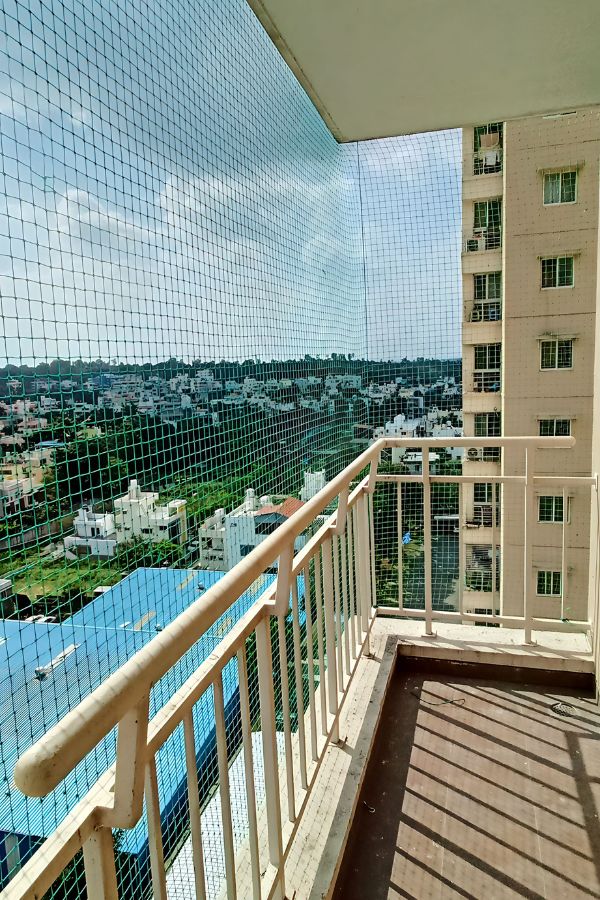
x=376, y=68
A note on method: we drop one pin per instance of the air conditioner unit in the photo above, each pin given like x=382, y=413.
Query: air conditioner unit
x=473, y=453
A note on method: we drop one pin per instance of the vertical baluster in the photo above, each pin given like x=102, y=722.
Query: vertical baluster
x=427, y=543
x=400, y=547
x=351, y=578
x=328, y=600
x=563, y=555
x=337, y=610
x=194, y=802
x=298, y=680
x=362, y=546
x=249, y=771
x=269, y=742
x=310, y=662
x=285, y=707
x=345, y=604
x=494, y=560
x=320, y=648
x=462, y=549
x=224, y=791
x=372, y=552
x=99, y=862
x=528, y=542
x=157, y=858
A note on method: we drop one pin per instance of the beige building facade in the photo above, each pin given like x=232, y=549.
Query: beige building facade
x=529, y=264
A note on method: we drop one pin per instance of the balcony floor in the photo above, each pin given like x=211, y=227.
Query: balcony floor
x=477, y=788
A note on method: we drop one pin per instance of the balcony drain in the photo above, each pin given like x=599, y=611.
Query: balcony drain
x=562, y=709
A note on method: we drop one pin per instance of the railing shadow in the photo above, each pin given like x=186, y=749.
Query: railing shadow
x=416, y=826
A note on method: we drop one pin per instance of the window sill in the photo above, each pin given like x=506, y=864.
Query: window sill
x=558, y=287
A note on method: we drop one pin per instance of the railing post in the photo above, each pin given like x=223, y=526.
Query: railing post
x=284, y=579
x=342, y=512
x=372, y=550
x=400, y=547
x=363, y=568
x=330, y=648
x=462, y=549
x=99, y=862
x=427, y=543
x=269, y=742
x=563, y=554
x=494, y=561
x=529, y=519
x=130, y=766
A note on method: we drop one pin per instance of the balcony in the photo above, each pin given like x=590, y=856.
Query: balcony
x=487, y=161
x=486, y=311
x=482, y=174
x=483, y=516
x=486, y=381
x=346, y=658
x=480, y=239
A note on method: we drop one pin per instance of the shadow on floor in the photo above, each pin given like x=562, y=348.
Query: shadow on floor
x=478, y=787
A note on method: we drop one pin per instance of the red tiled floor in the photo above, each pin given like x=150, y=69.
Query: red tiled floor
x=478, y=789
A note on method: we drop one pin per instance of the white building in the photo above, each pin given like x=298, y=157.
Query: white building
x=313, y=483
x=225, y=538
x=95, y=534
x=138, y=514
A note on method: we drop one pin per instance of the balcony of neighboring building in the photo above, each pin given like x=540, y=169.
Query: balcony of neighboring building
x=483, y=156
x=482, y=316
x=484, y=382
x=484, y=178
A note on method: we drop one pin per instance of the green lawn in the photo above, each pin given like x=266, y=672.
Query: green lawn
x=51, y=578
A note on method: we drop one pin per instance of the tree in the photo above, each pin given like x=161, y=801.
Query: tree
x=140, y=553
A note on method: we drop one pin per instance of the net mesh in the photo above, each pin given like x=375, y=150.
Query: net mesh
x=209, y=308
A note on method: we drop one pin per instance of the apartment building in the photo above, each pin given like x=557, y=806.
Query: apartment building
x=529, y=263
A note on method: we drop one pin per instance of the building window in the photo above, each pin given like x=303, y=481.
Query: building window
x=557, y=272
x=482, y=493
x=487, y=223
x=487, y=424
x=487, y=148
x=487, y=291
x=555, y=427
x=550, y=509
x=549, y=583
x=492, y=128
x=486, y=376
x=487, y=356
x=560, y=187
x=556, y=354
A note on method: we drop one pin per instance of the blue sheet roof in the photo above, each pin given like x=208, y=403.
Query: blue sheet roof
x=95, y=642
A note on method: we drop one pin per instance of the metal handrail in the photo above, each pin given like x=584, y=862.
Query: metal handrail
x=49, y=760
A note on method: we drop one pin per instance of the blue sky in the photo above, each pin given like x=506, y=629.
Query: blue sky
x=169, y=190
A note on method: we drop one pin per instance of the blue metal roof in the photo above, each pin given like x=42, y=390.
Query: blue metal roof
x=96, y=641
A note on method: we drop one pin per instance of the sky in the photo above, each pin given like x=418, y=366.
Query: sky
x=168, y=190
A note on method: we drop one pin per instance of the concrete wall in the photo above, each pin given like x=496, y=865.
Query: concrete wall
x=533, y=230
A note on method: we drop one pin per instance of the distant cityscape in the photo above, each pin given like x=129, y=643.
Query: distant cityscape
x=107, y=467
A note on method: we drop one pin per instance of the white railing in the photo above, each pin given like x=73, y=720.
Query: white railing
x=312, y=625
x=484, y=238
